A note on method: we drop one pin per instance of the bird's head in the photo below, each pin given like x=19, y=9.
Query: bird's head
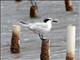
x=51, y=20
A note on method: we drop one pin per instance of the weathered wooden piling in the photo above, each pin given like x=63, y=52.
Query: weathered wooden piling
x=18, y=0
x=70, y=43
x=68, y=5
x=33, y=11
x=45, y=50
x=15, y=48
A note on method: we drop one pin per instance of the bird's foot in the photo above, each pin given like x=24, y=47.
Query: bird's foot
x=41, y=36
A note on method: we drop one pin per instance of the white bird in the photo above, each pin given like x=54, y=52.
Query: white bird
x=40, y=27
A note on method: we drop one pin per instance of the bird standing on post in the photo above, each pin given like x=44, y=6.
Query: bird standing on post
x=40, y=27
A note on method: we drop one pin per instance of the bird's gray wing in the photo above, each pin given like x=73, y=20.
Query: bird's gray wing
x=39, y=26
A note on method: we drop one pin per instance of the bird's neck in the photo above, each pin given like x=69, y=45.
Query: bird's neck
x=49, y=23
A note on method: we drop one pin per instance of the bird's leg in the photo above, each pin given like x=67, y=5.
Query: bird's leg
x=41, y=36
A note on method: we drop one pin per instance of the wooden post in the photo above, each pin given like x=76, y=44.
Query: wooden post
x=68, y=5
x=45, y=50
x=33, y=11
x=15, y=48
x=70, y=43
x=18, y=0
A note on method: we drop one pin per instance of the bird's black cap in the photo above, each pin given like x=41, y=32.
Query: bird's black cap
x=45, y=20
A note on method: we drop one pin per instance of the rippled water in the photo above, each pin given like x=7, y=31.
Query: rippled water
x=12, y=13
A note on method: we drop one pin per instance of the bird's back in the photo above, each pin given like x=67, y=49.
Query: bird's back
x=39, y=27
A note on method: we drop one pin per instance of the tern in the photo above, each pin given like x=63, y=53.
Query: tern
x=40, y=27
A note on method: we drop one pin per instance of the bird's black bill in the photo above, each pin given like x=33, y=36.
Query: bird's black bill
x=22, y=22
x=54, y=21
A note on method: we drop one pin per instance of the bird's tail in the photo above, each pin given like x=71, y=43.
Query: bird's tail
x=23, y=24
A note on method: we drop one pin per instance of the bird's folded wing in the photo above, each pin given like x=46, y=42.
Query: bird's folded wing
x=39, y=26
